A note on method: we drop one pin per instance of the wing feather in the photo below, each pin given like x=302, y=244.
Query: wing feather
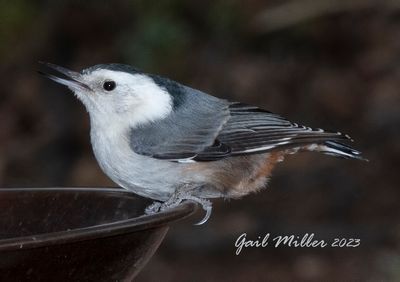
x=189, y=132
x=251, y=130
x=205, y=128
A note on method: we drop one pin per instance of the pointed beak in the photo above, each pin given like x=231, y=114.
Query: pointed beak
x=71, y=79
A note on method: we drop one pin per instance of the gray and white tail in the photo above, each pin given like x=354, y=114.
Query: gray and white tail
x=336, y=149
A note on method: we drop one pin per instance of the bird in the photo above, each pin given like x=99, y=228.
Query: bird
x=172, y=143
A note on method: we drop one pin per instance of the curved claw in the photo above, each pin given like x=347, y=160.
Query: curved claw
x=208, y=210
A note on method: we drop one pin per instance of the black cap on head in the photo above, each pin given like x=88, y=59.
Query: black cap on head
x=113, y=67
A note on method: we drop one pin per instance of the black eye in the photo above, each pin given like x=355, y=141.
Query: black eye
x=109, y=85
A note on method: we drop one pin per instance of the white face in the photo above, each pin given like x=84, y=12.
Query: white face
x=121, y=97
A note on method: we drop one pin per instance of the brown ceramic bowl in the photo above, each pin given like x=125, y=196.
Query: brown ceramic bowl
x=78, y=234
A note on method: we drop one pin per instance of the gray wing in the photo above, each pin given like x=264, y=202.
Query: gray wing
x=189, y=133
x=205, y=128
x=251, y=129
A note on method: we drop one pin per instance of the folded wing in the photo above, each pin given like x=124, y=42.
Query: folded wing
x=205, y=128
x=251, y=129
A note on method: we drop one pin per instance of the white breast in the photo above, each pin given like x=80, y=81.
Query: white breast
x=143, y=175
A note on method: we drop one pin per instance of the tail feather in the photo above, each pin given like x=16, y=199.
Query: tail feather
x=337, y=149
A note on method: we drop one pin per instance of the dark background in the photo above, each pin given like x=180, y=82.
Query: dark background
x=328, y=64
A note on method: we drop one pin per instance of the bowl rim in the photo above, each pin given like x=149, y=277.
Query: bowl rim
x=95, y=231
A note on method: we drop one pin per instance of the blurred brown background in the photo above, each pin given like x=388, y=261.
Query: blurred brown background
x=328, y=64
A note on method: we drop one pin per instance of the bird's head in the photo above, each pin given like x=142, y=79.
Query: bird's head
x=117, y=92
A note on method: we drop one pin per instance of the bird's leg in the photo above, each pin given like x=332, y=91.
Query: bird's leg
x=181, y=194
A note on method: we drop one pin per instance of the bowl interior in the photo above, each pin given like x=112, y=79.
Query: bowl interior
x=28, y=212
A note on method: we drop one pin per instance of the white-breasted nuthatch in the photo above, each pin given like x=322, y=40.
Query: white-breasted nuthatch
x=169, y=142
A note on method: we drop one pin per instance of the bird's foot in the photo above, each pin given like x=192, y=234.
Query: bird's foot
x=205, y=204
x=153, y=208
x=176, y=199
